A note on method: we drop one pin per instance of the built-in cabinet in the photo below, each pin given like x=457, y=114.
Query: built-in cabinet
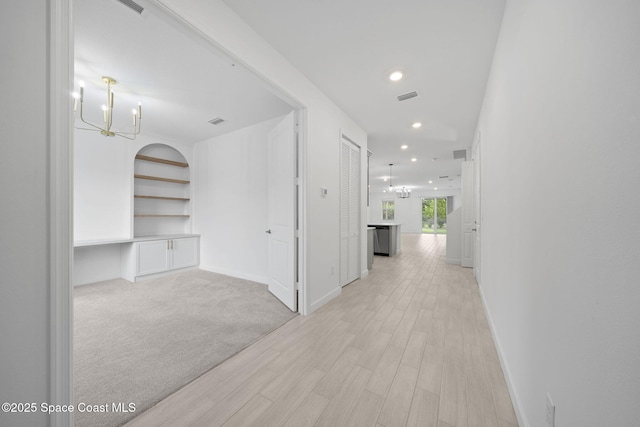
x=159, y=255
x=160, y=239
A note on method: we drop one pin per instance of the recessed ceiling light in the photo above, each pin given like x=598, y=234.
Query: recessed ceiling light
x=430, y=182
x=384, y=179
x=404, y=147
x=435, y=188
x=416, y=125
x=395, y=76
x=414, y=159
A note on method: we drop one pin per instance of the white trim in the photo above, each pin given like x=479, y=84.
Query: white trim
x=60, y=135
x=234, y=273
x=452, y=260
x=364, y=274
x=303, y=299
x=161, y=274
x=522, y=422
x=325, y=299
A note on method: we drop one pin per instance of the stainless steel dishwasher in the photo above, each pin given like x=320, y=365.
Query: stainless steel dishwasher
x=385, y=239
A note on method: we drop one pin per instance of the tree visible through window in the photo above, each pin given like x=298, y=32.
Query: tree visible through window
x=388, y=207
x=434, y=215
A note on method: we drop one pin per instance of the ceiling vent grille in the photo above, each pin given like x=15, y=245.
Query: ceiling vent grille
x=443, y=177
x=132, y=5
x=460, y=154
x=216, y=121
x=407, y=96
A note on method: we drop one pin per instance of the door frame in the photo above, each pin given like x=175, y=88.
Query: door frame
x=60, y=174
x=476, y=157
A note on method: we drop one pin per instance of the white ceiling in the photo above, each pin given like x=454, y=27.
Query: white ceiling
x=181, y=80
x=346, y=47
x=349, y=47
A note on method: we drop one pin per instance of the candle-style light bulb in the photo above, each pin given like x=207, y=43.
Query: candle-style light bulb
x=104, y=113
x=139, y=110
x=75, y=95
x=135, y=116
x=81, y=84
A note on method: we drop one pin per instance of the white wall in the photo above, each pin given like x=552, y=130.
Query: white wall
x=96, y=263
x=102, y=187
x=24, y=210
x=408, y=212
x=230, y=200
x=561, y=242
x=322, y=124
x=103, y=183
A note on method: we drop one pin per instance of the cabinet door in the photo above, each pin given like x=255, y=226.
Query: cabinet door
x=184, y=252
x=153, y=257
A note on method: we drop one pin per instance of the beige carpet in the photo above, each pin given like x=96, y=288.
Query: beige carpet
x=138, y=343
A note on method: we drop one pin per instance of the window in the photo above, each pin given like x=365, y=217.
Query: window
x=388, y=207
x=434, y=215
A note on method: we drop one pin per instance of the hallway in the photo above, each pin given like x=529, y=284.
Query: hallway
x=408, y=345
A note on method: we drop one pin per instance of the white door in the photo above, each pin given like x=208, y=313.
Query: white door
x=349, y=212
x=477, y=209
x=281, y=211
x=468, y=214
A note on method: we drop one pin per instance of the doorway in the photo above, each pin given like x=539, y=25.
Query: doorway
x=434, y=215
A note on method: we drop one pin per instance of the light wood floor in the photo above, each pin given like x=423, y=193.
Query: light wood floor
x=408, y=345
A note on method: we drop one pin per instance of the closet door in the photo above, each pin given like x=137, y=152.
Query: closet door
x=349, y=211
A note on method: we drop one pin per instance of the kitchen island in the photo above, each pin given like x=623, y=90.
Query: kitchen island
x=387, y=238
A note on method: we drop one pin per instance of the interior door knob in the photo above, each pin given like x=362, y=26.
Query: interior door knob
x=268, y=231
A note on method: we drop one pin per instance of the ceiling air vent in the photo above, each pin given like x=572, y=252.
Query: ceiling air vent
x=443, y=177
x=132, y=5
x=407, y=96
x=460, y=154
x=216, y=121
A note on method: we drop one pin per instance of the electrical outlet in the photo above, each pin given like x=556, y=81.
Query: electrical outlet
x=551, y=412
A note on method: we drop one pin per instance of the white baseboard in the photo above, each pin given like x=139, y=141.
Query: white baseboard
x=161, y=274
x=364, y=274
x=453, y=261
x=505, y=368
x=325, y=299
x=239, y=274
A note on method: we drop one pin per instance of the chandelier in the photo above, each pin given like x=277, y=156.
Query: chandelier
x=403, y=192
x=107, y=113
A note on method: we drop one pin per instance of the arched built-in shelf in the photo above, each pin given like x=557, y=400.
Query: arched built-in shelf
x=161, y=191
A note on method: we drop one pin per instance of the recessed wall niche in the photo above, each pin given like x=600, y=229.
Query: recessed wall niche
x=161, y=192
